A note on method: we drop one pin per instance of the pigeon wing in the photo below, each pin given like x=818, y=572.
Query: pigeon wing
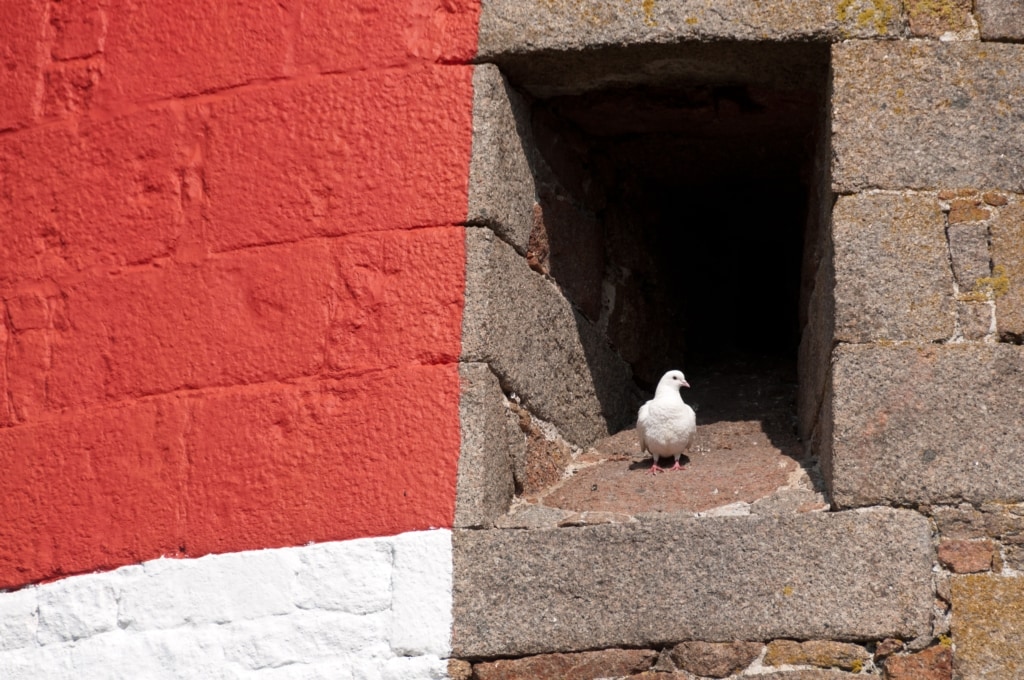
x=641, y=425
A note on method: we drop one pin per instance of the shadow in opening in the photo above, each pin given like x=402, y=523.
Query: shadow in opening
x=674, y=214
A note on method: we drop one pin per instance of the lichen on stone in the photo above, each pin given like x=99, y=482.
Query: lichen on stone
x=995, y=286
x=867, y=14
x=948, y=13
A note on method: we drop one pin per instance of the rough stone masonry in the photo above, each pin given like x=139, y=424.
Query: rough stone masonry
x=912, y=373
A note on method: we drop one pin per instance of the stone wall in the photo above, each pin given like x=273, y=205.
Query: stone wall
x=301, y=303
x=911, y=370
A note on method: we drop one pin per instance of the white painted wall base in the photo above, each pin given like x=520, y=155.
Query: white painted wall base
x=363, y=609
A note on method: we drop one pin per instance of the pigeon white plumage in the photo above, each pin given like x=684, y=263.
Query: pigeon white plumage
x=666, y=425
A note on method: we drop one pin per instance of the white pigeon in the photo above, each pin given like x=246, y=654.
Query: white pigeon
x=666, y=425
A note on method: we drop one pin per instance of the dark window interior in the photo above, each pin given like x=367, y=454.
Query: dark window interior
x=676, y=191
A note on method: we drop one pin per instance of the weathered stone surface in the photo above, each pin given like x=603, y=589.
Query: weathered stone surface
x=517, y=321
x=459, y=669
x=851, y=575
x=935, y=18
x=925, y=424
x=533, y=517
x=535, y=25
x=934, y=663
x=484, y=484
x=583, y=666
x=715, y=659
x=1008, y=272
x=893, y=99
x=749, y=470
x=995, y=198
x=501, y=186
x=815, y=351
x=888, y=647
x=892, y=276
x=788, y=501
x=590, y=518
x=1000, y=19
x=573, y=238
x=1014, y=555
x=968, y=210
x=976, y=319
x=542, y=460
x=966, y=557
x=988, y=625
x=968, y=248
x=810, y=675
x=821, y=653
x=993, y=520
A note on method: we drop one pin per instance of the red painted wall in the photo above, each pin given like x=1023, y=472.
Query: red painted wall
x=231, y=274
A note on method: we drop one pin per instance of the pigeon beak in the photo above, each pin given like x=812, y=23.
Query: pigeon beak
x=686, y=384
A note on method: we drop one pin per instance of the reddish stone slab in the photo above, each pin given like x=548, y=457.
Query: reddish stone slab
x=373, y=455
x=92, y=491
x=157, y=50
x=371, y=151
x=351, y=35
x=93, y=194
x=715, y=659
x=387, y=310
x=250, y=317
x=935, y=663
x=23, y=24
x=78, y=27
x=966, y=557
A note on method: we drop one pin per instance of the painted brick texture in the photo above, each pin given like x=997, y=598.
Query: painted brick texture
x=376, y=607
x=23, y=22
x=224, y=470
x=205, y=349
x=340, y=154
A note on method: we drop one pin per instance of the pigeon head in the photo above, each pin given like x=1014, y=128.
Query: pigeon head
x=672, y=380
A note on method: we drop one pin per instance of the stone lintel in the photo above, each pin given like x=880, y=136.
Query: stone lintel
x=844, y=576
x=510, y=26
